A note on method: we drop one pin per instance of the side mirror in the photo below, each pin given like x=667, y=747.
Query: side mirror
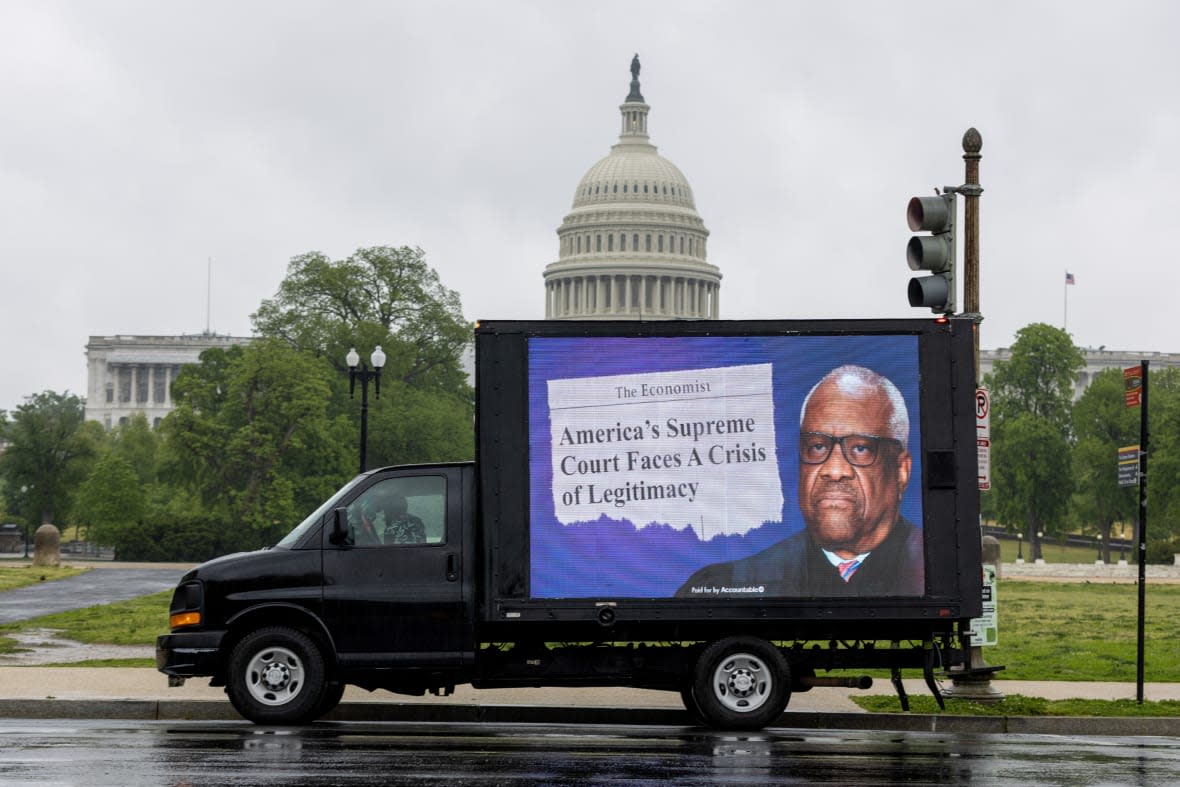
x=339, y=534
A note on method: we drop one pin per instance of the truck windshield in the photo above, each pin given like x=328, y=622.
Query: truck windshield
x=313, y=519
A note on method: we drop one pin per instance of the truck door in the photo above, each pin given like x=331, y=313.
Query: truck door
x=393, y=589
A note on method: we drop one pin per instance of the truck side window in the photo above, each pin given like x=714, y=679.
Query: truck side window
x=400, y=511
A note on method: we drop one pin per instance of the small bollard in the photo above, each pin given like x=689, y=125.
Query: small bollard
x=47, y=546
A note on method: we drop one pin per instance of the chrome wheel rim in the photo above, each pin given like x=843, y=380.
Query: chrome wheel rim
x=275, y=676
x=742, y=683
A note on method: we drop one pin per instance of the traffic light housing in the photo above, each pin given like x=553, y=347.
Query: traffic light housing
x=934, y=252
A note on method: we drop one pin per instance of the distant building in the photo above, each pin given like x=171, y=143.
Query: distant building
x=1096, y=361
x=632, y=246
x=133, y=374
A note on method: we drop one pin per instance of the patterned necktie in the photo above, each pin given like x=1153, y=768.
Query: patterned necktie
x=847, y=569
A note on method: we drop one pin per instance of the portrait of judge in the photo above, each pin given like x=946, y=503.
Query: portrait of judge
x=854, y=467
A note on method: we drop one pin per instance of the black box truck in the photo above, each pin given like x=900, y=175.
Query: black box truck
x=727, y=510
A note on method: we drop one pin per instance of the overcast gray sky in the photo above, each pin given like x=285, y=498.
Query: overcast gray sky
x=142, y=139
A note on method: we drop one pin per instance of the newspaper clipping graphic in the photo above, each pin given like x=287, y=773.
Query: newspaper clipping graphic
x=685, y=448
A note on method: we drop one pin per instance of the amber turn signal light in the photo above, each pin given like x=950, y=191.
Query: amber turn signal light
x=178, y=619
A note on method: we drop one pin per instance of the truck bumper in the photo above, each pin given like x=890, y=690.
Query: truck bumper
x=189, y=654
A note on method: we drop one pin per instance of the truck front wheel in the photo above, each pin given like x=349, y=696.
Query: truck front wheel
x=742, y=683
x=276, y=676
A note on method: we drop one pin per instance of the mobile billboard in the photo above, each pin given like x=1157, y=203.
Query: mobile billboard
x=672, y=466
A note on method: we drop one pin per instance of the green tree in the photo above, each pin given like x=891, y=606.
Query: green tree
x=50, y=447
x=1031, y=474
x=1102, y=424
x=1032, y=398
x=1163, y=485
x=138, y=444
x=111, y=499
x=410, y=425
x=390, y=297
x=252, y=439
x=378, y=296
x=1038, y=378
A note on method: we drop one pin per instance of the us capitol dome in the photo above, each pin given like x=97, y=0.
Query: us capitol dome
x=633, y=245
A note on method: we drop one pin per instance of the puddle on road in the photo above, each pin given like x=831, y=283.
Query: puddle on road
x=45, y=646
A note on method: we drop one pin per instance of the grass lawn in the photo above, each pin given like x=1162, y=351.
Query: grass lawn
x=13, y=577
x=1019, y=705
x=1084, y=631
x=135, y=622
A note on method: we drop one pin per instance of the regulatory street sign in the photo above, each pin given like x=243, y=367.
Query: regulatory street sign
x=983, y=437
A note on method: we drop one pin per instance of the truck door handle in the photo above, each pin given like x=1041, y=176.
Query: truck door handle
x=452, y=575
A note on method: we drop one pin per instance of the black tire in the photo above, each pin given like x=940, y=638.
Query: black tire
x=276, y=676
x=691, y=705
x=741, y=683
x=333, y=691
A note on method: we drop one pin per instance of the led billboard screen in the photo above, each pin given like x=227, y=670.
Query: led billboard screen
x=664, y=467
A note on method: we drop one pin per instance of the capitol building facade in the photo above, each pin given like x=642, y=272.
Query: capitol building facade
x=632, y=246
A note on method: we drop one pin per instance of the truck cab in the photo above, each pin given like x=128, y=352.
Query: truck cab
x=374, y=588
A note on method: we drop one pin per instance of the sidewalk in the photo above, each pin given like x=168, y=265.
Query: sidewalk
x=1090, y=572
x=143, y=693
x=145, y=683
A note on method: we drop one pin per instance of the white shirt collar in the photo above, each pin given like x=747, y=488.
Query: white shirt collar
x=836, y=560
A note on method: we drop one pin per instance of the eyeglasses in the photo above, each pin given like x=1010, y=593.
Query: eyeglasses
x=860, y=450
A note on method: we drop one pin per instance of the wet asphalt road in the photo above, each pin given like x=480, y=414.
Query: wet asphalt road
x=233, y=753
x=97, y=586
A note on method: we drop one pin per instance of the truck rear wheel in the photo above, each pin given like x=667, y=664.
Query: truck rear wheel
x=276, y=676
x=742, y=683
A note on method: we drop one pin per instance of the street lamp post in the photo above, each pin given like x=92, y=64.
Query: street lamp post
x=1099, y=539
x=364, y=374
x=24, y=493
x=1020, y=547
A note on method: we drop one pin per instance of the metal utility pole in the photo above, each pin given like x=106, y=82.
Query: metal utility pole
x=976, y=683
x=972, y=145
x=1142, y=545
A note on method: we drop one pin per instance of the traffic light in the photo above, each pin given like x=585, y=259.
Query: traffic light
x=934, y=253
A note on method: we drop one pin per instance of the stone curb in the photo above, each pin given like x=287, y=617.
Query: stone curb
x=210, y=710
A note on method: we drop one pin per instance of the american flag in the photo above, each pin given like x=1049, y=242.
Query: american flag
x=1069, y=278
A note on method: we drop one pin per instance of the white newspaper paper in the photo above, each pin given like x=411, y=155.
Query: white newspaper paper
x=685, y=448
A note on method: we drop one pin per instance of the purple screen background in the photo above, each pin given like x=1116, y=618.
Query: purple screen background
x=607, y=558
